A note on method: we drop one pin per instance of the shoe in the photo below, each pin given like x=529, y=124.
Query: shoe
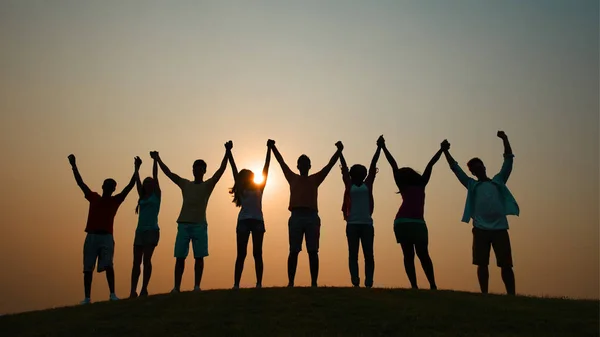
x=235, y=286
x=86, y=301
x=133, y=295
x=113, y=297
x=175, y=291
x=258, y=286
x=197, y=288
x=144, y=293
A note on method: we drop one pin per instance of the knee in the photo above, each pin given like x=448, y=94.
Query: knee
x=294, y=254
x=423, y=254
x=313, y=254
x=241, y=255
x=179, y=262
x=257, y=253
x=147, y=263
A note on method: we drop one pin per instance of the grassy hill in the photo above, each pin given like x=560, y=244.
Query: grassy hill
x=315, y=312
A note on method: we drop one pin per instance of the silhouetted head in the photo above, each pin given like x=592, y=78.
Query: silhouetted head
x=148, y=185
x=199, y=168
x=358, y=173
x=109, y=186
x=477, y=168
x=303, y=165
x=406, y=177
x=243, y=181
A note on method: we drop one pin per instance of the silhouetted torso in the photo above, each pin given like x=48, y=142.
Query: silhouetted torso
x=101, y=215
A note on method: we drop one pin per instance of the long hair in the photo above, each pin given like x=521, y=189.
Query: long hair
x=147, y=180
x=243, y=181
x=406, y=177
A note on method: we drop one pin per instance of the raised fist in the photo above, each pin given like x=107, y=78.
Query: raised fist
x=229, y=145
x=380, y=141
x=72, y=159
x=445, y=145
x=339, y=145
x=501, y=135
x=154, y=155
x=137, y=162
x=270, y=143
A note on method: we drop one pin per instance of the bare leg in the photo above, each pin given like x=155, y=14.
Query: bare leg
x=87, y=283
x=257, y=243
x=313, y=260
x=508, y=276
x=148, y=252
x=179, y=268
x=483, y=275
x=408, y=250
x=242, y=248
x=110, y=278
x=138, y=252
x=423, y=255
x=198, y=269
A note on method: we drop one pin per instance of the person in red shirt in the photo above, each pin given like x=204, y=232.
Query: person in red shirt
x=409, y=226
x=99, y=243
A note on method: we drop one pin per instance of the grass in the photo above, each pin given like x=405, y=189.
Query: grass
x=315, y=312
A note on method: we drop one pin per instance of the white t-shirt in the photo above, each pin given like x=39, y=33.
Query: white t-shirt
x=360, y=206
x=489, y=209
x=251, y=202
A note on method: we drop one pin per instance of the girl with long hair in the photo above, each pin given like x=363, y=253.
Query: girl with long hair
x=409, y=226
x=247, y=194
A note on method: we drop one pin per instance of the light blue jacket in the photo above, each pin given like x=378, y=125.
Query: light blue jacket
x=510, y=204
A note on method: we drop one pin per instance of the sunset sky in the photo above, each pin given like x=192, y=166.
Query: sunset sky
x=109, y=80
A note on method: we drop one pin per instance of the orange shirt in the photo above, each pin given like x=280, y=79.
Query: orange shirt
x=101, y=215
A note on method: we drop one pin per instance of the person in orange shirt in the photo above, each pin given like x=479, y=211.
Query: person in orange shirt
x=99, y=242
x=304, y=220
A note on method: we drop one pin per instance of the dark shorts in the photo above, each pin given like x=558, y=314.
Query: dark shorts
x=250, y=226
x=483, y=240
x=98, y=247
x=304, y=223
x=411, y=233
x=146, y=238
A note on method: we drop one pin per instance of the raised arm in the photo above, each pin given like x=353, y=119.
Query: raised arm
x=132, y=181
x=234, y=169
x=344, y=166
x=86, y=190
x=174, y=177
x=286, y=170
x=219, y=173
x=507, y=165
x=429, y=167
x=138, y=185
x=460, y=174
x=373, y=167
x=321, y=175
x=265, y=171
x=157, y=189
x=388, y=155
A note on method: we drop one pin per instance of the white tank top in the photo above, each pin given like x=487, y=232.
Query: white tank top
x=251, y=205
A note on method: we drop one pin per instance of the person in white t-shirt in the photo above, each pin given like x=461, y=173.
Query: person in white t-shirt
x=248, y=196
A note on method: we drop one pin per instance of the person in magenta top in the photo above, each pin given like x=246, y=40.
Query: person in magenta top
x=409, y=226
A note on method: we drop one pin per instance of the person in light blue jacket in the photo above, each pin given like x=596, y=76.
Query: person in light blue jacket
x=489, y=201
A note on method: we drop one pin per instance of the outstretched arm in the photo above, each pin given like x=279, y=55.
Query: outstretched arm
x=507, y=165
x=429, y=167
x=138, y=185
x=321, y=175
x=234, y=169
x=286, y=170
x=460, y=174
x=86, y=190
x=265, y=171
x=155, y=176
x=388, y=155
x=373, y=167
x=345, y=171
x=174, y=177
x=132, y=181
x=215, y=178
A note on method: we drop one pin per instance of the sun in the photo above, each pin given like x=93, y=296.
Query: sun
x=258, y=177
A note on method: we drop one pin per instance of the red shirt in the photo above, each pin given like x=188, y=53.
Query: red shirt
x=413, y=203
x=101, y=215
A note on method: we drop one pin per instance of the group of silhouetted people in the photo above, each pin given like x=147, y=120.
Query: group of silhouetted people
x=488, y=203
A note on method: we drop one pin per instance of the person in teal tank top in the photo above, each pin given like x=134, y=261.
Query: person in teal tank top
x=147, y=233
